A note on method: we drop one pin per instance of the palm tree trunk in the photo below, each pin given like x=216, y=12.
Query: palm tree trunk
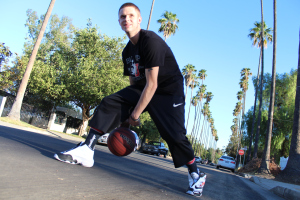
x=254, y=110
x=187, y=122
x=265, y=164
x=261, y=84
x=16, y=108
x=292, y=171
x=193, y=129
x=150, y=14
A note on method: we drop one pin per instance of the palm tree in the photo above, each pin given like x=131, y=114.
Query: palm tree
x=168, y=24
x=16, y=108
x=240, y=95
x=245, y=73
x=195, y=101
x=150, y=14
x=202, y=75
x=187, y=73
x=260, y=35
x=256, y=35
x=265, y=163
x=261, y=83
x=291, y=171
x=199, y=97
x=200, y=94
x=194, y=83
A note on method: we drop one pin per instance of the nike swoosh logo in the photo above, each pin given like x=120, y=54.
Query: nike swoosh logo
x=176, y=105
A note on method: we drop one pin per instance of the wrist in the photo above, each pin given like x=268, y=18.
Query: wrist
x=135, y=120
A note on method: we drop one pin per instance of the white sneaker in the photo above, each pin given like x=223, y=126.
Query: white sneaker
x=196, y=185
x=79, y=155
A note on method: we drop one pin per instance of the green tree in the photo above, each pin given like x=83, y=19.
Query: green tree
x=168, y=24
x=5, y=53
x=84, y=73
x=7, y=74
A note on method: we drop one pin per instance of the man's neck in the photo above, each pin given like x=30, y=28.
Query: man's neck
x=134, y=38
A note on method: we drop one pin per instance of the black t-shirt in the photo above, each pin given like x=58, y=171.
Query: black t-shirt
x=150, y=51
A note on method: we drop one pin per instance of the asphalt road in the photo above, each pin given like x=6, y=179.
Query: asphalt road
x=29, y=171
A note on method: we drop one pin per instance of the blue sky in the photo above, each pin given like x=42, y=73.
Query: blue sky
x=212, y=35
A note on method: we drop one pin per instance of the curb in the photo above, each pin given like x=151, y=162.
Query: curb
x=286, y=193
x=283, y=192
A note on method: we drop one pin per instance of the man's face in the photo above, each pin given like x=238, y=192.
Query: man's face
x=130, y=20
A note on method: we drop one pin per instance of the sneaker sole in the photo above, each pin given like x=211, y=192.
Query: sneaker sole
x=194, y=194
x=74, y=162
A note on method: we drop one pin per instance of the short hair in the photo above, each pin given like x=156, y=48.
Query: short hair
x=129, y=5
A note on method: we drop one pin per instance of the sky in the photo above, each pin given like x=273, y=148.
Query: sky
x=212, y=35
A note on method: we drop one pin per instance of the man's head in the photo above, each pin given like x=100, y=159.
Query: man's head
x=130, y=5
x=130, y=18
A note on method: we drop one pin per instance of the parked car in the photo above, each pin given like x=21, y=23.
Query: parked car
x=157, y=148
x=226, y=162
x=103, y=139
x=137, y=141
x=204, y=162
x=197, y=159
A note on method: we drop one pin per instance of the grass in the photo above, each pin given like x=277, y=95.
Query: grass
x=24, y=124
x=19, y=123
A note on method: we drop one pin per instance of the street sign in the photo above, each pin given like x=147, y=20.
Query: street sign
x=241, y=152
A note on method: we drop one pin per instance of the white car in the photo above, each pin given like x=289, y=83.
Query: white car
x=198, y=159
x=226, y=162
x=103, y=140
x=137, y=141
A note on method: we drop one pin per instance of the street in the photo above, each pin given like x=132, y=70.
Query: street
x=29, y=171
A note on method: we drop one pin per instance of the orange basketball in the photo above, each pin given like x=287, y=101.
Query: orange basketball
x=121, y=141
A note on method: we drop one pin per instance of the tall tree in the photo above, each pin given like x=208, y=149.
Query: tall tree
x=197, y=121
x=255, y=35
x=16, y=108
x=245, y=73
x=150, y=15
x=188, y=73
x=194, y=83
x=265, y=163
x=292, y=171
x=168, y=24
x=260, y=35
x=261, y=84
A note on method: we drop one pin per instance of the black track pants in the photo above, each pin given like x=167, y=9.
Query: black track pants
x=167, y=112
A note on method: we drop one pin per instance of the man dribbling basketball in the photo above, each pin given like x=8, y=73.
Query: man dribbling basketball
x=156, y=86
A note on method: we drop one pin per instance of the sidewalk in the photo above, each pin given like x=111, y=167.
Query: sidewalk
x=285, y=190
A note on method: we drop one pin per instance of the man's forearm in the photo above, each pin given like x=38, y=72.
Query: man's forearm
x=144, y=100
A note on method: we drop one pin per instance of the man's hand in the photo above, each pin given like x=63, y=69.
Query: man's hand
x=125, y=124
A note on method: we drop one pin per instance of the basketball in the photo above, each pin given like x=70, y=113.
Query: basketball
x=121, y=141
